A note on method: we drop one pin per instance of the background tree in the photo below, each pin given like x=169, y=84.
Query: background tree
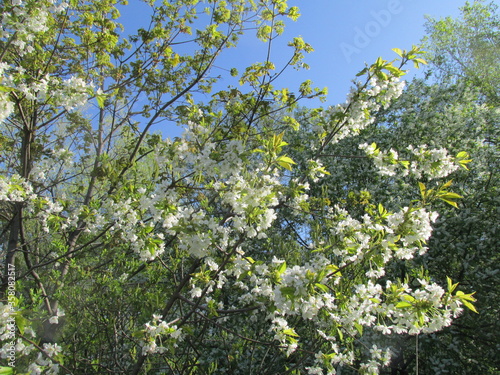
x=213, y=252
x=468, y=48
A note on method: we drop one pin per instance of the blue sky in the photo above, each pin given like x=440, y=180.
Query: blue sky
x=344, y=33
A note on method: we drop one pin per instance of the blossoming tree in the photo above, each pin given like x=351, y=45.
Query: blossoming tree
x=208, y=253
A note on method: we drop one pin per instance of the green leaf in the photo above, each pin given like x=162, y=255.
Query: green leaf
x=403, y=305
x=21, y=323
x=100, y=100
x=293, y=123
x=451, y=286
x=333, y=269
x=421, y=61
x=423, y=190
x=290, y=332
x=138, y=334
x=175, y=60
x=447, y=184
x=450, y=202
x=463, y=162
x=470, y=306
x=382, y=76
x=405, y=163
x=6, y=370
x=398, y=52
x=288, y=291
x=286, y=159
x=421, y=319
x=396, y=71
x=409, y=298
x=281, y=268
x=359, y=328
x=6, y=89
x=293, y=13
x=285, y=162
x=341, y=335
x=464, y=296
x=264, y=33
x=323, y=287
x=448, y=195
x=362, y=72
x=381, y=210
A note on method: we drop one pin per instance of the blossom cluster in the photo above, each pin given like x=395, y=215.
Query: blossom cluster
x=20, y=23
x=55, y=319
x=15, y=189
x=23, y=24
x=44, y=363
x=316, y=170
x=399, y=235
x=157, y=334
x=54, y=166
x=18, y=189
x=379, y=357
x=349, y=118
x=432, y=163
x=69, y=93
x=423, y=162
x=6, y=106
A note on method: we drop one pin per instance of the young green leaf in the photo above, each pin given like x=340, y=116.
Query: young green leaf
x=290, y=332
x=285, y=162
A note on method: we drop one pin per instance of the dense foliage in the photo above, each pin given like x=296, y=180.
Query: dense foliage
x=454, y=107
x=241, y=247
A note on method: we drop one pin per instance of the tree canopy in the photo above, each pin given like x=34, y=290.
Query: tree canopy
x=247, y=245
x=468, y=48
